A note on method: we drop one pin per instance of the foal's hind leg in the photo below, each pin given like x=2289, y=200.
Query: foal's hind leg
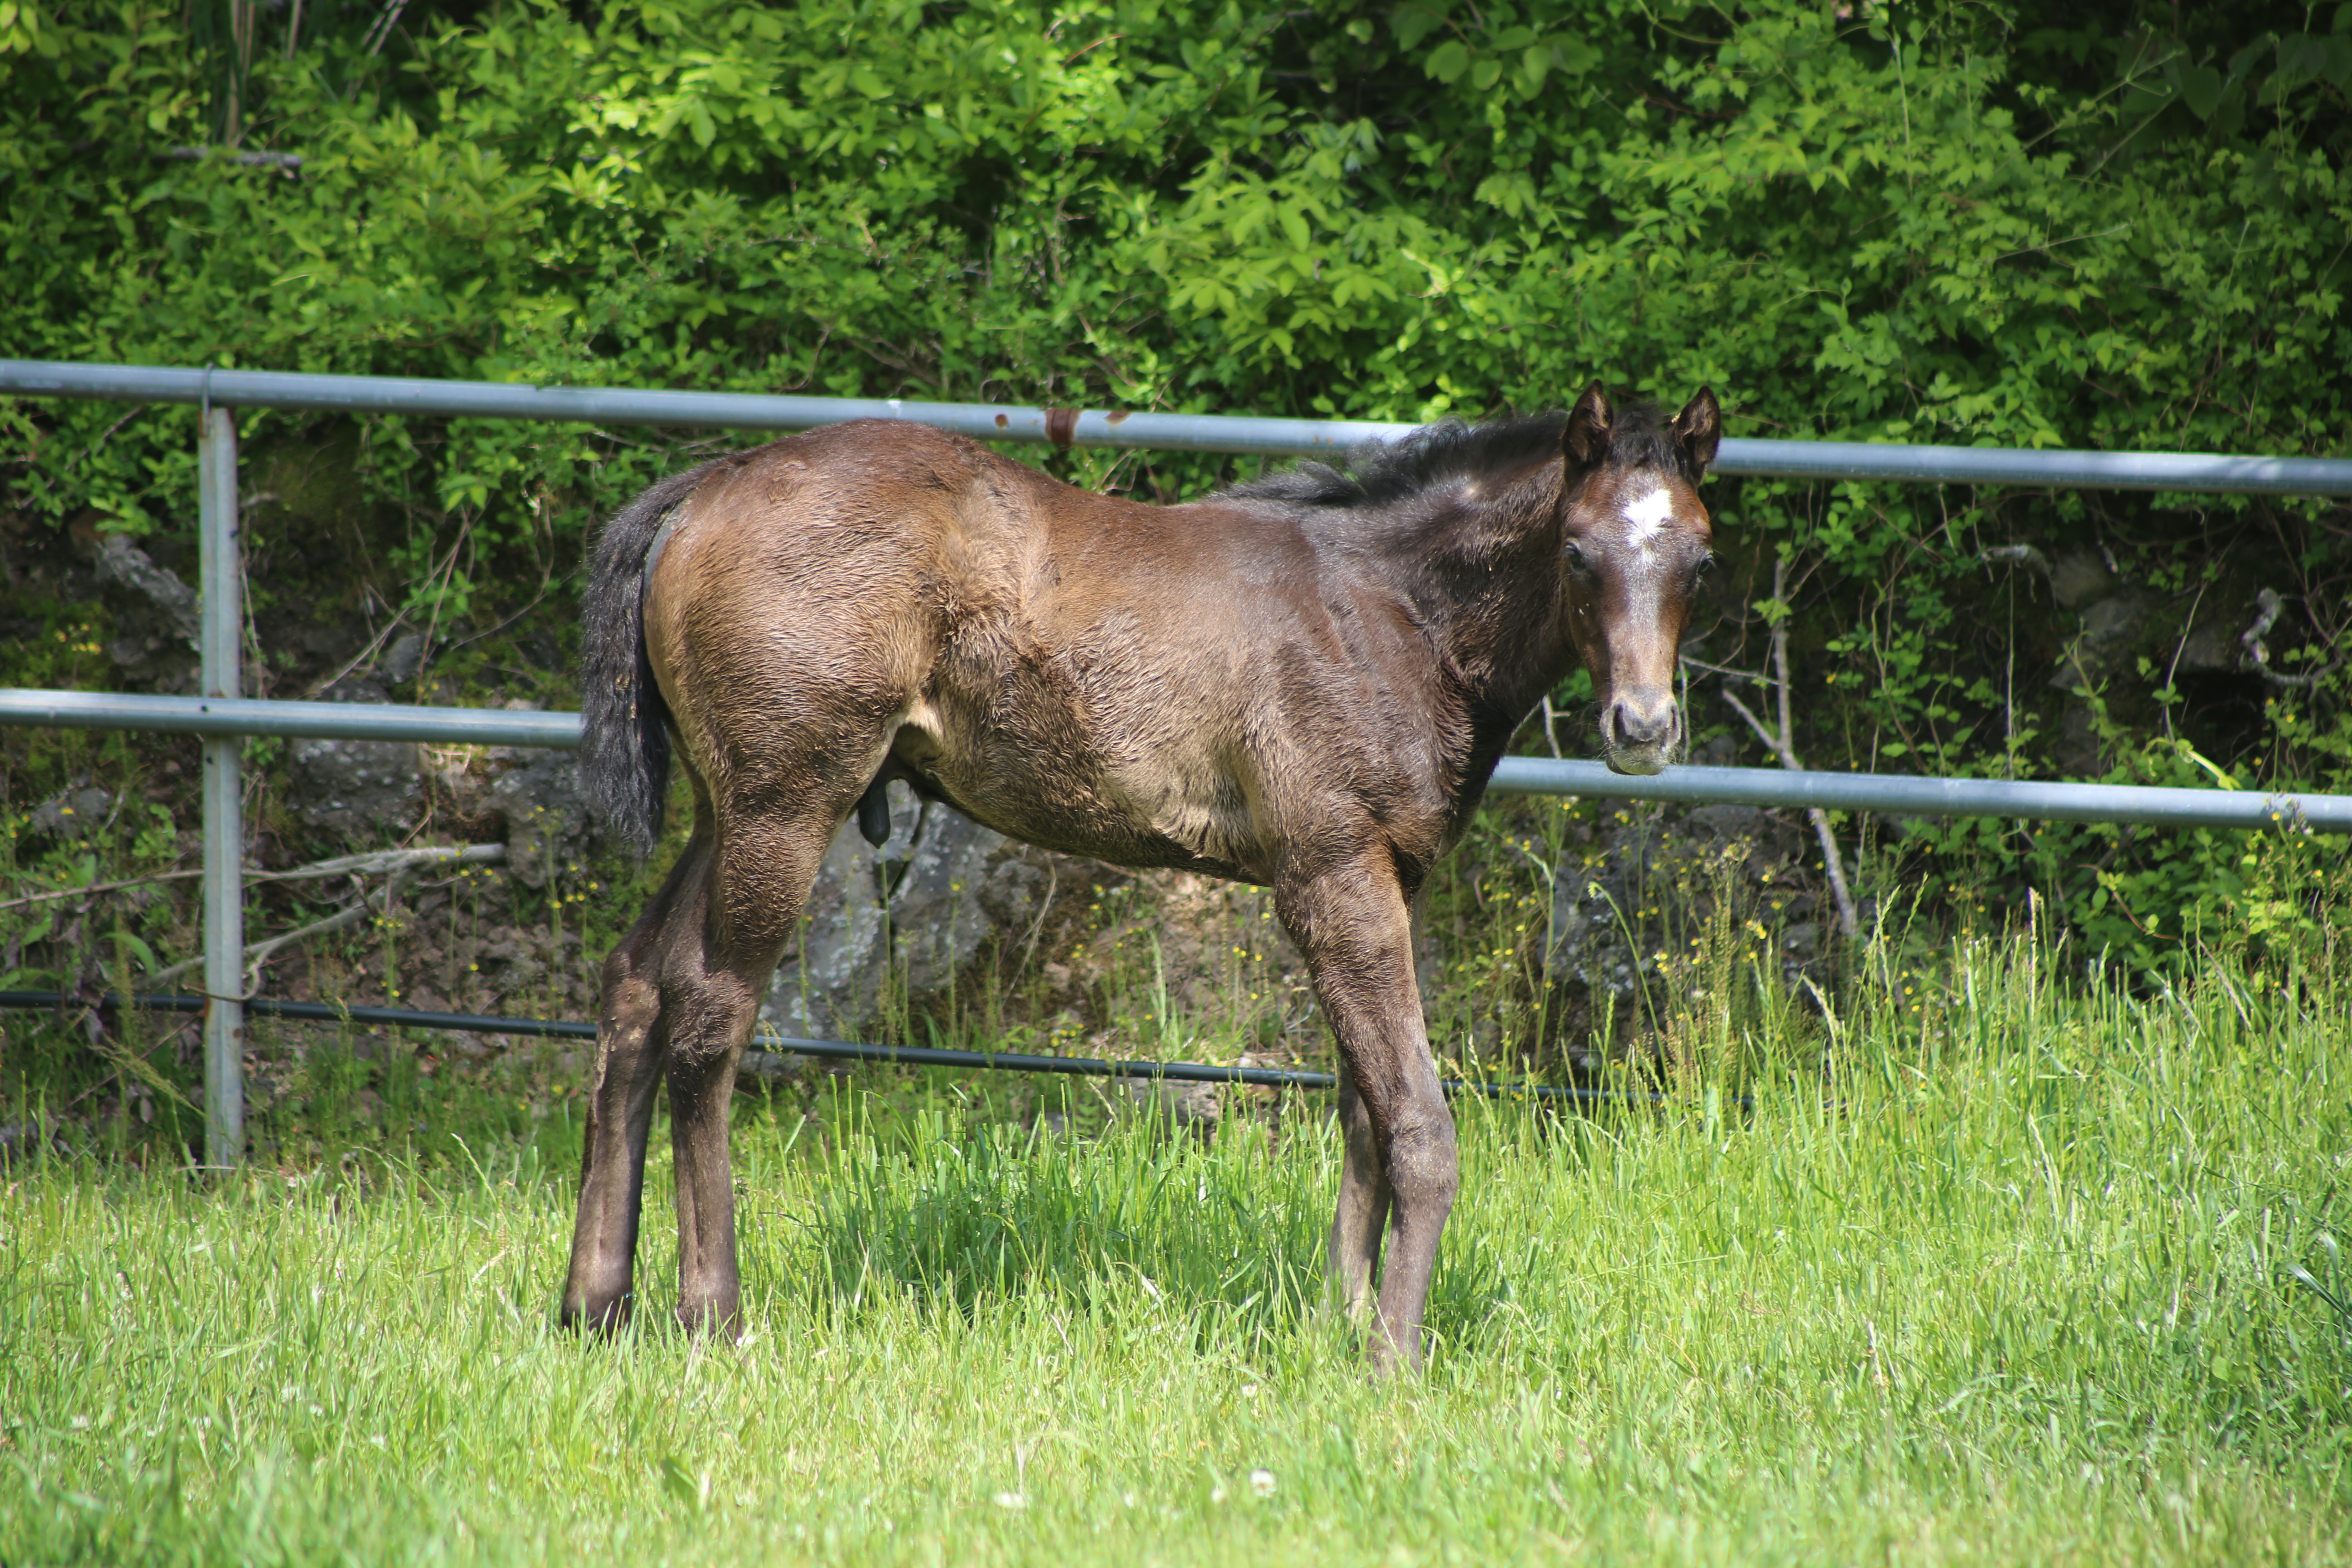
x=629, y=1050
x=682, y=992
x=767, y=862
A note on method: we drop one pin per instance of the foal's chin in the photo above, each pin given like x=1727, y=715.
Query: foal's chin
x=1640, y=762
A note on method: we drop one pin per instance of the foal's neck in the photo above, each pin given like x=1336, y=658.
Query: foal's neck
x=1482, y=567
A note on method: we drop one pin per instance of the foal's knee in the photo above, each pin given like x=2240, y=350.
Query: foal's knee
x=632, y=991
x=1424, y=1160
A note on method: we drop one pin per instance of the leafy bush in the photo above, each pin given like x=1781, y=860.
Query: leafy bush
x=2089, y=225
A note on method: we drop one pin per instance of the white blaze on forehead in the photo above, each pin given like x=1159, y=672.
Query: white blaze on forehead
x=1648, y=514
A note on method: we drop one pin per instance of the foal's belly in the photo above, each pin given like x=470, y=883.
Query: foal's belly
x=1158, y=806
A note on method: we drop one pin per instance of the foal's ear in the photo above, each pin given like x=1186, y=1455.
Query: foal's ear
x=1585, y=440
x=1699, y=427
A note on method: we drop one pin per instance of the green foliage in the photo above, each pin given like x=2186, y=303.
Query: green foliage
x=2115, y=228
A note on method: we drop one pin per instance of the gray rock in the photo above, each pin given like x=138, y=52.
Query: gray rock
x=2078, y=577
x=123, y=566
x=2206, y=650
x=1195, y=1107
x=155, y=615
x=2112, y=628
x=355, y=689
x=2078, y=748
x=404, y=658
x=23, y=1140
x=547, y=820
x=359, y=787
x=72, y=813
x=363, y=788
x=937, y=894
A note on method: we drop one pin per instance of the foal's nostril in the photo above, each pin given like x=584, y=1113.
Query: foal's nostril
x=1626, y=726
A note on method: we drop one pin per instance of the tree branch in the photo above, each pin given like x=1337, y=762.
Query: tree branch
x=399, y=863
x=343, y=866
x=1783, y=746
x=2268, y=606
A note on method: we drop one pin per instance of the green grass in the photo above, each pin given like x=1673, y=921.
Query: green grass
x=2018, y=1288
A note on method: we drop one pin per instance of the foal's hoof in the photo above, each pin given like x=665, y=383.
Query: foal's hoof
x=602, y=1318
x=1386, y=1359
x=712, y=1320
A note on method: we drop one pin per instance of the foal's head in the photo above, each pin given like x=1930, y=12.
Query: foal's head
x=1634, y=541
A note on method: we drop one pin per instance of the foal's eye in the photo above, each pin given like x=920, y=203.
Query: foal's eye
x=1698, y=572
x=1576, y=560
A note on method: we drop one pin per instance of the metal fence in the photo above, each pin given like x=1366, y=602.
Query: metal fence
x=222, y=716
x=2186, y=471
x=1891, y=794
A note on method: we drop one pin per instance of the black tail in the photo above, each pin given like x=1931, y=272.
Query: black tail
x=624, y=743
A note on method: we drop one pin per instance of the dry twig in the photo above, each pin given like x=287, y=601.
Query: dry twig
x=398, y=863
x=1783, y=745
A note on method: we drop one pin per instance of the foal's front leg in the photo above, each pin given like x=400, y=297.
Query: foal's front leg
x=1350, y=920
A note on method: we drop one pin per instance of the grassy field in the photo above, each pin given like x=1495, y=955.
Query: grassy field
x=2019, y=1286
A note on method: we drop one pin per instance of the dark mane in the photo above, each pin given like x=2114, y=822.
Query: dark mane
x=1379, y=474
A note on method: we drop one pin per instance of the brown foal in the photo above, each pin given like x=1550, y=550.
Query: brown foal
x=1301, y=682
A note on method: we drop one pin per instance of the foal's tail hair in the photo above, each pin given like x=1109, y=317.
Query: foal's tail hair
x=624, y=721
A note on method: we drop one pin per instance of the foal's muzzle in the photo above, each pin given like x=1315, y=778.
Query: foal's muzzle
x=1642, y=735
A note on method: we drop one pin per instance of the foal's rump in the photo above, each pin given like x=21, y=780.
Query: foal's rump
x=748, y=601
x=795, y=613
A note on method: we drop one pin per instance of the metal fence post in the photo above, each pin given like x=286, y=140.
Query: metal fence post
x=220, y=636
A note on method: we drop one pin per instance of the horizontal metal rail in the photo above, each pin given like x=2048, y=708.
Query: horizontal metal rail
x=1898, y=795
x=32, y=708
x=1892, y=794
x=831, y=1050
x=2182, y=472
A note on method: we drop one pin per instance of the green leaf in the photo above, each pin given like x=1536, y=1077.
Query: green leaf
x=1534, y=65
x=1573, y=55
x=2143, y=98
x=2301, y=59
x=1413, y=21
x=2200, y=89
x=1448, y=61
x=2335, y=63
